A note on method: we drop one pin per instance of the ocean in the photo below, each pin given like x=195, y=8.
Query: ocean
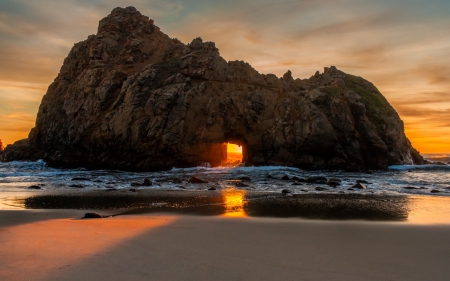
x=18, y=177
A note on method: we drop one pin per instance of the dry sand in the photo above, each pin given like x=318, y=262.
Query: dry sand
x=56, y=245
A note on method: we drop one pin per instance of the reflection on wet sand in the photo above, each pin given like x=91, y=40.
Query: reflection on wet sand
x=237, y=203
x=233, y=201
x=428, y=210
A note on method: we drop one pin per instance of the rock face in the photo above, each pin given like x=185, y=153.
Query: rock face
x=132, y=98
x=1, y=146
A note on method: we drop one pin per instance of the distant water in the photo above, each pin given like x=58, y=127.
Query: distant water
x=18, y=176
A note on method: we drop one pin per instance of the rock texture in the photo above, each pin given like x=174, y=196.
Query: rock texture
x=132, y=98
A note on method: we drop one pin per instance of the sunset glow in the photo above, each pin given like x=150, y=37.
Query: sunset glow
x=234, y=202
x=234, y=152
x=401, y=47
x=234, y=148
x=54, y=246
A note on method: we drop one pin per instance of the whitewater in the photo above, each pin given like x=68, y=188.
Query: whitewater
x=406, y=179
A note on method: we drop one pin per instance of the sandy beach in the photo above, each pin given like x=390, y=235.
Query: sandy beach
x=58, y=245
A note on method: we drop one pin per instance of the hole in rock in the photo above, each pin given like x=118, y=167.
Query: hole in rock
x=234, y=154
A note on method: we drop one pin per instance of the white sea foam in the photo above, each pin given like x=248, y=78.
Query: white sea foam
x=394, y=180
x=420, y=167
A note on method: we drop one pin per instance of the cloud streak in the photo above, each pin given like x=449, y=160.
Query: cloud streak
x=401, y=46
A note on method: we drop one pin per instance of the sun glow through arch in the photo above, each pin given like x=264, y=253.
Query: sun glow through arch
x=234, y=152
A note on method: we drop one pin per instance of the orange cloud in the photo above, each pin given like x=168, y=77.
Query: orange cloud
x=401, y=47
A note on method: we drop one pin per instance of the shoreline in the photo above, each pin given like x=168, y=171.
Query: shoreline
x=211, y=235
x=242, y=203
x=57, y=245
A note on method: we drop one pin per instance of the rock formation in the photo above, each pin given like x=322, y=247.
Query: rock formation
x=132, y=98
x=1, y=146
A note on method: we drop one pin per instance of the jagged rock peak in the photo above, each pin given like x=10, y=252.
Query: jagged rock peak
x=125, y=20
x=132, y=98
x=1, y=146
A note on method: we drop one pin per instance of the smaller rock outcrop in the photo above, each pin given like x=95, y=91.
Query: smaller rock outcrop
x=1, y=146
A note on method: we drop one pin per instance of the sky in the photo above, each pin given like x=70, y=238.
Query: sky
x=402, y=46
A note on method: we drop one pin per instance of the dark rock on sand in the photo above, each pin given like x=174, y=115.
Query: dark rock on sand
x=197, y=180
x=245, y=178
x=93, y=216
x=285, y=178
x=333, y=182
x=80, y=179
x=34, y=187
x=212, y=188
x=286, y=191
x=132, y=190
x=360, y=186
x=435, y=191
x=269, y=177
x=318, y=188
x=241, y=184
x=76, y=186
x=295, y=178
x=130, y=97
x=335, y=179
x=362, y=181
x=147, y=182
x=296, y=183
x=320, y=180
x=411, y=187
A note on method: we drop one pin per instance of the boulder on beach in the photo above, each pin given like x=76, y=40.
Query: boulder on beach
x=334, y=182
x=359, y=186
x=362, y=181
x=132, y=98
x=241, y=184
x=197, y=180
x=316, y=179
x=93, y=216
x=80, y=179
x=411, y=187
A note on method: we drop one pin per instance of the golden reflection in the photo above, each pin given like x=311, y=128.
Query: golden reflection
x=429, y=210
x=234, y=200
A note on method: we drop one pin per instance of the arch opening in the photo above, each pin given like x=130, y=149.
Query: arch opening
x=233, y=153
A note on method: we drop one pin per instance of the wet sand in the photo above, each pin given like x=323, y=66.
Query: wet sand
x=231, y=235
x=235, y=202
x=57, y=245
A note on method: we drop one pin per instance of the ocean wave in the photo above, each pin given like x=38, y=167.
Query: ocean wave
x=420, y=167
x=39, y=164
